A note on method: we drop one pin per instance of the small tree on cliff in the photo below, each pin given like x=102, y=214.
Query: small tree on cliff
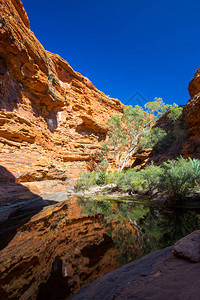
x=124, y=132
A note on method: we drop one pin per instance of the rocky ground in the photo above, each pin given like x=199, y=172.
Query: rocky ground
x=171, y=273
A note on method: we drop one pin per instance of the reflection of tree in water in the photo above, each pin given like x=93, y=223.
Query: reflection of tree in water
x=137, y=229
x=120, y=221
x=163, y=227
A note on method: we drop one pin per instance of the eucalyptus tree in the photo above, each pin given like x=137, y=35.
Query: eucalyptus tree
x=125, y=132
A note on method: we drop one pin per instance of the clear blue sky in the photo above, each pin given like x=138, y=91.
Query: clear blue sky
x=124, y=46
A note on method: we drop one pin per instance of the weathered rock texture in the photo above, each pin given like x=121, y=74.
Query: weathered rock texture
x=192, y=144
x=59, y=248
x=189, y=247
x=159, y=275
x=49, y=114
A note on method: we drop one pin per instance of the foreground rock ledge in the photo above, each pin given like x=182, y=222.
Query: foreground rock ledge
x=165, y=274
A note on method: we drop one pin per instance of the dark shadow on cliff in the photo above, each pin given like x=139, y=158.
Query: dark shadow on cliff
x=168, y=145
x=9, y=88
x=171, y=145
x=17, y=205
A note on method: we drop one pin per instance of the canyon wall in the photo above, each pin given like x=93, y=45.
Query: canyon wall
x=52, y=125
x=192, y=144
x=52, y=119
x=183, y=136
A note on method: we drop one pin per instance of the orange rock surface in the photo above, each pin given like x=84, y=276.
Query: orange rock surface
x=65, y=247
x=59, y=246
x=49, y=114
x=192, y=145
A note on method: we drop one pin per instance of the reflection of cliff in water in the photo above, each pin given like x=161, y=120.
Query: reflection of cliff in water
x=70, y=244
x=17, y=205
x=58, y=242
x=121, y=222
x=137, y=229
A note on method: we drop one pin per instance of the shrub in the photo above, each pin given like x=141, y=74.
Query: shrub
x=179, y=177
x=150, y=177
x=102, y=178
x=176, y=178
x=88, y=179
x=127, y=180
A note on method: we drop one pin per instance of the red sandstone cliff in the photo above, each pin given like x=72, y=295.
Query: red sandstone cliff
x=187, y=142
x=192, y=145
x=51, y=117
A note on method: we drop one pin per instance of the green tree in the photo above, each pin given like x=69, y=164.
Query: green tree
x=116, y=138
x=125, y=133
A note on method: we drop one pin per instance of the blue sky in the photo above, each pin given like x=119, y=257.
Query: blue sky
x=152, y=47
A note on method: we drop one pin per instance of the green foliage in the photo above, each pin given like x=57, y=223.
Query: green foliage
x=195, y=165
x=150, y=177
x=178, y=133
x=116, y=132
x=174, y=112
x=123, y=133
x=86, y=180
x=89, y=179
x=179, y=177
x=150, y=138
x=145, y=180
x=103, y=166
x=116, y=137
x=133, y=130
x=133, y=118
x=102, y=178
x=156, y=107
x=127, y=180
x=176, y=178
x=103, y=151
x=157, y=136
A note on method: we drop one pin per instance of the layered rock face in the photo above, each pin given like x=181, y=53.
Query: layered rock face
x=61, y=248
x=192, y=144
x=50, y=115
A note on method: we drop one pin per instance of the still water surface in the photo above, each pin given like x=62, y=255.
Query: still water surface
x=140, y=227
x=68, y=246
